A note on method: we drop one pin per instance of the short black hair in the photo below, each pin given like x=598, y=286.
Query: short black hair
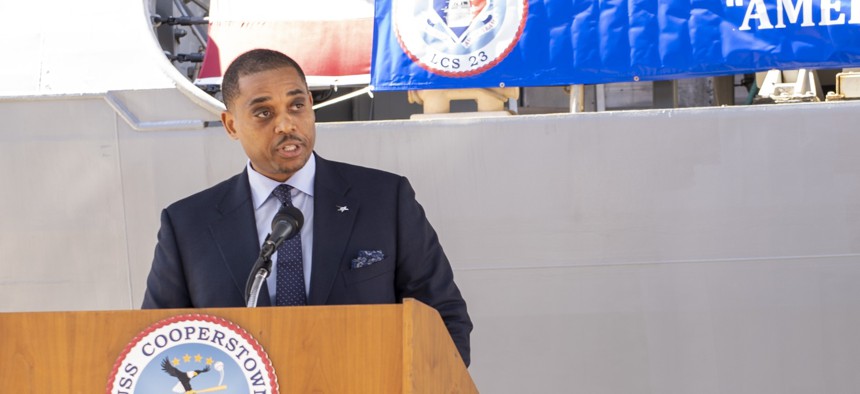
x=252, y=62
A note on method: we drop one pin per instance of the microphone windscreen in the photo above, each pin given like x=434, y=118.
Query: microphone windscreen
x=291, y=214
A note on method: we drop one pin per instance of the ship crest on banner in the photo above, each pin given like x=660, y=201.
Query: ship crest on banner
x=458, y=38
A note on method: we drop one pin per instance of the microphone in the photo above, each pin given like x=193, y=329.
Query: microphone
x=286, y=224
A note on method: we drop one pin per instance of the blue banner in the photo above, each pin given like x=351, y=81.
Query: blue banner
x=490, y=43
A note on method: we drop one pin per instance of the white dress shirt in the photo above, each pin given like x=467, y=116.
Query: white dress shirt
x=266, y=206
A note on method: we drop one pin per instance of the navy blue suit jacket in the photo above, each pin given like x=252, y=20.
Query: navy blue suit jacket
x=208, y=242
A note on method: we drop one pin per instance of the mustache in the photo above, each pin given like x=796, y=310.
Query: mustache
x=290, y=137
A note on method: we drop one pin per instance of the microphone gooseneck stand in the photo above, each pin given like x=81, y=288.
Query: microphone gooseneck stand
x=261, y=270
x=286, y=224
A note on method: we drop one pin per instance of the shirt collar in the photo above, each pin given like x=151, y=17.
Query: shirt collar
x=262, y=186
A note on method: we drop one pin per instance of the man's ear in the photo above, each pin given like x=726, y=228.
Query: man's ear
x=227, y=120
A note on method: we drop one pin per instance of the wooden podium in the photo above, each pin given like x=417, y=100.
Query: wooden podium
x=401, y=348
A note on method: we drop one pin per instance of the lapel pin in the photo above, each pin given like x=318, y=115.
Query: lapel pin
x=342, y=209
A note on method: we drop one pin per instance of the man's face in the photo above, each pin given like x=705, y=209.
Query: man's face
x=273, y=120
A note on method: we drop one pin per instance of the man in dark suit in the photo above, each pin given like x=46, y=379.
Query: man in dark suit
x=365, y=239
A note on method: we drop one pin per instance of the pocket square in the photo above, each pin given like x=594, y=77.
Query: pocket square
x=367, y=258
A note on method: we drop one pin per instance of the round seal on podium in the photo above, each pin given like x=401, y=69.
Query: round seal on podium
x=193, y=353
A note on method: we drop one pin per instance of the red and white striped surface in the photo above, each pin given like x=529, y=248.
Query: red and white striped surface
x=330, y=39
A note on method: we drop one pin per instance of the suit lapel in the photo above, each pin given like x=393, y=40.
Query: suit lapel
x=332, y=228
x=235, y=235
